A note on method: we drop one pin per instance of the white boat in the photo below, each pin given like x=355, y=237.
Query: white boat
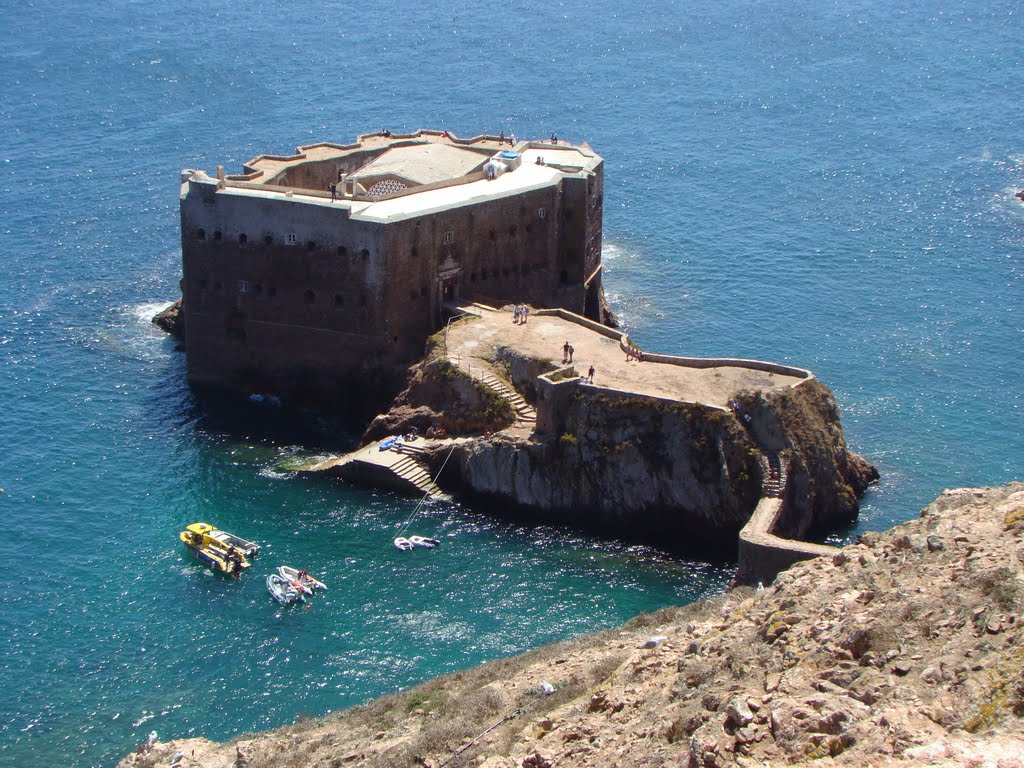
x=423, y=541
x=300, y=579
x=403, y=543
x=282, y=590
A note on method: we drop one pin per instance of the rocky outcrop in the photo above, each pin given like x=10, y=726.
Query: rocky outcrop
x=438, y=393
x=639, y=465
x=801, y=426
x=904, y=649
x=171, y=320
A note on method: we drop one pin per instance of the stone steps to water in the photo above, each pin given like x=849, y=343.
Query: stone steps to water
x=415, y=472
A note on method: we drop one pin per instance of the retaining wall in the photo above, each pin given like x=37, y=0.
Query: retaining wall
x=762, y=554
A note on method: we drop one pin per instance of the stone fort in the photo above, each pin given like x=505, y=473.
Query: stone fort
x=319, y=275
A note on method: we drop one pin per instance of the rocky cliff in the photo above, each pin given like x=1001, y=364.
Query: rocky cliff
x=904, y=649
x=634, y=465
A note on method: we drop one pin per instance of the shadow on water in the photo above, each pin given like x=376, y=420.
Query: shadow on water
x=261, y=419
x=716, y=548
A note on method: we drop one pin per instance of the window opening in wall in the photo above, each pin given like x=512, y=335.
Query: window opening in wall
x=243, y=238
x=423, y=291
x=268, y=239
x=493, y=235
x=414, y=252
x=339, y=301
x=449, y=237
x=542, y=213
x=201, y=234
x=309, y=297
x=342, y=250
x=568, y=214
x=290, y=239
x=272, y=291
x=564, y=277
x=217, y=286
x=217, y=234
x=362, y=300
x=472, y=277
x=365, y=254
x=243, y=286
x=310, y=246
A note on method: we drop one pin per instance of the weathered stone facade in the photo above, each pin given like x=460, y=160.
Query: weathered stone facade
x=319, y=295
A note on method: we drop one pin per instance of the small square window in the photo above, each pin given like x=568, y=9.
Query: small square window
x=243, y=286
x=542, y=213
x=449, y=237
x=290, y=239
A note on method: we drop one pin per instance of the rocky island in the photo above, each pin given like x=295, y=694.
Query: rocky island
x=902, y=649
x=319, y=277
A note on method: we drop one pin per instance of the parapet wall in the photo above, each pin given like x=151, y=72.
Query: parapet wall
x=686, y=362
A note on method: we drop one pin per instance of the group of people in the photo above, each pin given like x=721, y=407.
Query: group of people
x=568, y=350
x=520, y=314
x=632, y=353
x=511, y=139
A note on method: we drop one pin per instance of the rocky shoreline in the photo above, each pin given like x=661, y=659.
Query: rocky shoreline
x=902, y=649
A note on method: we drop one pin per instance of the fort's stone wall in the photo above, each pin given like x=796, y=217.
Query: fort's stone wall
x=288, y=291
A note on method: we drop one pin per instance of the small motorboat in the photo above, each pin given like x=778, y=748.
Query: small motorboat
x=282, y=590
x=423, y=541
x=247, y=548
x=212, y=551
x=403, y=543
x=300, y=579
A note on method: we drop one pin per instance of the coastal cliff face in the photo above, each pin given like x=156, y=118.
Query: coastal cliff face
x=904, y=649
x=623, y=464
x=682, y=470
x=801, y=426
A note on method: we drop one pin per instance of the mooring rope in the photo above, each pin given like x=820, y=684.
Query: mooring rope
x=405, y=526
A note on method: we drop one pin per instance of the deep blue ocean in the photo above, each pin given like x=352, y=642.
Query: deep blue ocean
x=818, y=183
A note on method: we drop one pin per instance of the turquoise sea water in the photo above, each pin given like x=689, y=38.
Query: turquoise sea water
x=818, y=183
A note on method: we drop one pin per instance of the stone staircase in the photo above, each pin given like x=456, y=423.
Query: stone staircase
x=526, y=414
x=775, y=479
x=411, y=468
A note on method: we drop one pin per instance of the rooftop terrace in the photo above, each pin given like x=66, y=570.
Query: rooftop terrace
x=440, y=170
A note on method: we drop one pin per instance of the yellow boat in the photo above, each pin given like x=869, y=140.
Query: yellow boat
x=221, y=551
